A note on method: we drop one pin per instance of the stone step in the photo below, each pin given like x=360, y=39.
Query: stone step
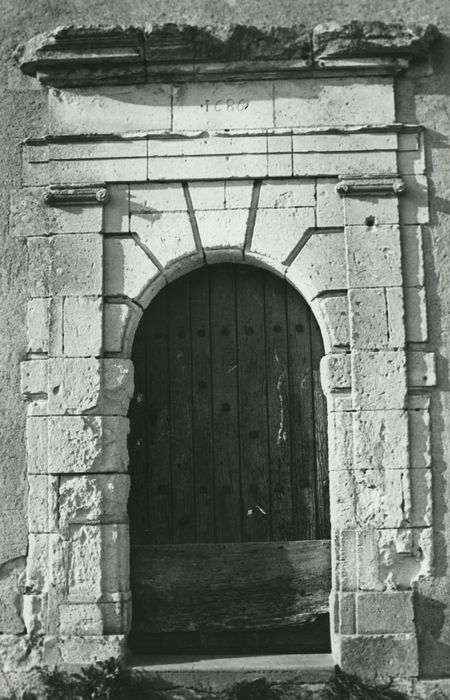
x=219, y=672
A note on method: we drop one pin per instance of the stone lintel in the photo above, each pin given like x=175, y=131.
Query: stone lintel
x=370, y=186
x=70, y=195
x=93, y=55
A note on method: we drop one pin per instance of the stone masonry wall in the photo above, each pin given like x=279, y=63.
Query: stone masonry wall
x=419, y=98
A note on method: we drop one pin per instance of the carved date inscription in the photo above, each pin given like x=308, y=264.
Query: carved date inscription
x=225, y=105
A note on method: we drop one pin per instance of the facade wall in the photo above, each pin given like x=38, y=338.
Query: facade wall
x=420, y=98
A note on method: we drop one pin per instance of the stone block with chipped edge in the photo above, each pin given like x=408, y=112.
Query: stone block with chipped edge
x=382, y=498
x=380, y=439
x=370, y=210
x=116, y=215
x=330, y=206
x=420, y=438
x=28, y=215
x=42, y=503
x=320, y=266
x=342, y=499
x=83, y=650
x=35, y=614
x=376, y=318
x=390, y=612
x=373, y=256
x=46, y=564
x=334, y=101
x=378, y=658
x=333, y=318
x=421, y=498
x=335, y=372
x=404, y=556
x=77, y=444
x=421, y=369
x=86, y=619
x=34, y=378
x=93, y=498
x=94, y=110
x=277, y=232
x=98, y=561
x=367, y=560
x=120, y=321
x=379, y=379
x=128, y=270
x=83, y=326
x=167, y=235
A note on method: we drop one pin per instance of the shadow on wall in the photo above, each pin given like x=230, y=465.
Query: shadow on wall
x=433, y=653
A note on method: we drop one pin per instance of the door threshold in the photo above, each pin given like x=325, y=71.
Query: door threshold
x=220, y=671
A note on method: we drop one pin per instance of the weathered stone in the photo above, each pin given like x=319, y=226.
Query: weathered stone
x=378, y=658
x=345, y=164
x=374, y=256
x=98, y=498
x=95, y=148
x=238, y=194
x=383, y=498
x=380, y=439
x=38, y=325
x=198, y=143
x=342, y=499
x=56, y=327
x=278, y=232
x=42, y=503
x=46, y=564
x=94, y=550
x=75, y=219
x=11, y=586
x=380, y=211
x=413, y=203
x=35, y=614
x=117, y=210
x=347, y=613
x=332, y=101
x=379, y=379
x=28, y=215
x=86, y=650
x=222, y=106
x=368, y=319
x=128, y=270
x=330, y=207
x=320, y=266
x=412, y=256
x=34, y=378
x=416, y=315
x=120, y=323
x=340, y=441
x=75, y=265
x=404, y=556
x=110, y=170
x=347, y=560
x=419, y=438
x=82, y=326
x=421, y=498
x=335, y=372
x=421, y=369
x=87, y=619
x=210, y=194
x=208, y=167
x=38, y=255
x=280, y=194
x=149, y=199
x=91, y=111
x=367, y=556
x=395, y=317
x=222, y=229
x=280, y=165
x=168, y=236
x=333, y=318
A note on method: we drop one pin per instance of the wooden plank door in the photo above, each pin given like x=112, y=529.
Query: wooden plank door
x=229, y=513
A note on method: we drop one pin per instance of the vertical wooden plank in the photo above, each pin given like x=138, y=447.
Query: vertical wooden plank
x=302, y=415
x=225, y=404
x=137, y=443
x=279, y=429
x=202, y=423
x=253, y=403
x=157, y=398
x=180, y=373
x=322, y=497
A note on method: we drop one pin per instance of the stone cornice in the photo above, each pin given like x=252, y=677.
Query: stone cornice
x=78, y=56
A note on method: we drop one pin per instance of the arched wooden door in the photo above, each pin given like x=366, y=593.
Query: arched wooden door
x=229, y=507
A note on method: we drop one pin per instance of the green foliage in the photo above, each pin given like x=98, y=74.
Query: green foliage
x=344, y=686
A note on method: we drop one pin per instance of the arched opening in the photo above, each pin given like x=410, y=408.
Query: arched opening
x=229, y=504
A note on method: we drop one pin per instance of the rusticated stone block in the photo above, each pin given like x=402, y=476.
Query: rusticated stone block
x=320, y=265
x=378, y=658
x=379, y=379
x=82, y=326
x=332, y=314
x=120, y=321
x=98, y=561
x=374, y=256
x=93, y=498
x=380, y=439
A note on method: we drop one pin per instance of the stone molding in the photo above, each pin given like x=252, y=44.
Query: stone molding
x=377, y=186
x=69, y=195
x=92, y=55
